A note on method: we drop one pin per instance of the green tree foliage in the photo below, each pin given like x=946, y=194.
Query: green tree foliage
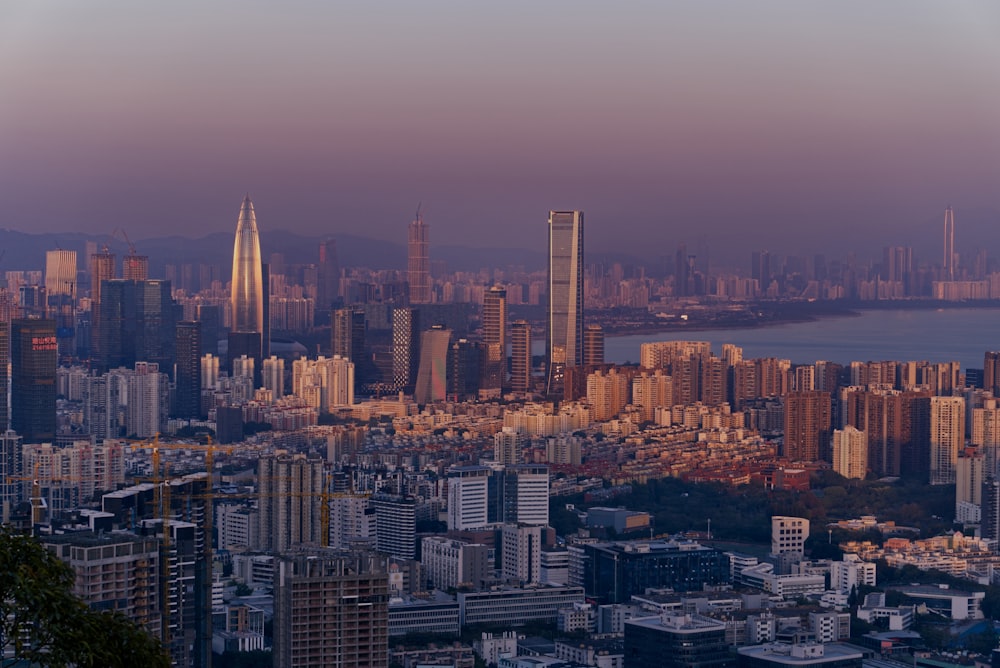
x=42, y=623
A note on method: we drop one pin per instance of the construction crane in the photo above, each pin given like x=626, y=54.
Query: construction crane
x=120, y=234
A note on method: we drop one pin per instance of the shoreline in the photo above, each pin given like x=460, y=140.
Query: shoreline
x=793, y=313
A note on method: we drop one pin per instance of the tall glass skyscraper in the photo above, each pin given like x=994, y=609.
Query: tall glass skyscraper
x=564, y=342
x=418, y=269
x=248, y=284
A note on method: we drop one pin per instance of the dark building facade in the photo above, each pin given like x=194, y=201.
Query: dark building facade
x=136, y=324
x=187, y=378
x=613, y=572
x=33, y=351
x=686, y=641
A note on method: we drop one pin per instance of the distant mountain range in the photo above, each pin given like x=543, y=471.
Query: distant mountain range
x=23, y=251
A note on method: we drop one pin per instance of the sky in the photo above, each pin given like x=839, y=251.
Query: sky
x=782, y=124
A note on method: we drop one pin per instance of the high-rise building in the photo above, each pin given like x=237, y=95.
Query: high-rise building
x=432, y=376
x=418, y=269
x=947, y=437
x=274, y=376
x=520, y=356
x=331, y=610
x=990, y=526
x=949, y=260
x=4, y=375
x=564, y=339
x=136, y=323
x=807, y=426
x=102, y=268
x=60, y=272
x=991, y=372
x=33, y=379
x=850, y=452
x=494, y=341
x=464, y=369
x=607, y=394
x=247, y=296
x=328, y=278
x=187, y=378
x=347, y=334
x=405, y=348
x=521, y=548
x=969, y=479
x=395, y=524
x=507, y=446
x=593, y=345
x=291, y=489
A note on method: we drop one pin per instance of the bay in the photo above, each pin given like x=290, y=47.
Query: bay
x=934, y=335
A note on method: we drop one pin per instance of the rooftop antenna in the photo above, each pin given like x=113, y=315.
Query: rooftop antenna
x=419, y=204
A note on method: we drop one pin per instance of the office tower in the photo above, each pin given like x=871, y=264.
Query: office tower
x=274, y=376
x=405, y=348
x=494, y=341
x=807, y=426
x=677, y=641
x=991, y=372
x=60, y=273
x=102, y=268
x=395, y=524
x=328, y=277
x=418, y=269
x=948, y=264
x=265, y=333
x=526, y=494
x=507, y=446
x=347, y=334
x=564, y=339
x=520, y=356
x=613, y=572
x=33, y=379
x=593, y=345
x=11, y=471
x=331, y=610
x=464, y=370
x=947, y=437
x=210, y=317
x=521, y=549
x=468, y=497
x=247, y=296
x=187, y=378
x=291, y=489
x=136, y=323
x=432, y=376
x=760, y=269
x=850, y=452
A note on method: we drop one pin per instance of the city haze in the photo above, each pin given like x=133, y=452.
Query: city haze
x=776, y=124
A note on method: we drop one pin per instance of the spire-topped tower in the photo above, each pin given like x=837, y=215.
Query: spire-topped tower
x=247, y=296
x=949, y=245
x=419, y=265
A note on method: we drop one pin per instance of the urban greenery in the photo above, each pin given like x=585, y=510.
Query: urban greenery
x=43, y=623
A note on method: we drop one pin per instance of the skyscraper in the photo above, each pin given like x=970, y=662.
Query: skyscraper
x=328, y=277
x=188, y=369
x=947, y=437
x=564, y=341
x=102, y=268
x=432, y=376
x=807, y=426
x=4, y=375
x=405, y=352
x=593, y=345
x=494, y=340
x=948, y=264
x=520, y=356
x=60, y=272
x=418, y=269
x=247, y=295
x=33, y=379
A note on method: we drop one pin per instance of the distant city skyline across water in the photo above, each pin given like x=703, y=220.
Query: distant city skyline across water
x=935, y=335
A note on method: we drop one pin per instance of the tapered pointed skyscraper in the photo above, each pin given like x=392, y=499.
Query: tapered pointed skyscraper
x=248, y=285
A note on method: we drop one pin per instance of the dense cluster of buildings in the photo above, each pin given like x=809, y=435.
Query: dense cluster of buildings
x=399, y=478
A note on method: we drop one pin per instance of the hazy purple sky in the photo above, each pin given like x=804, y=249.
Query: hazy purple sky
x=737, y=121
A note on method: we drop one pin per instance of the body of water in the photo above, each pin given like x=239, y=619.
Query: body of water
x=945, y=335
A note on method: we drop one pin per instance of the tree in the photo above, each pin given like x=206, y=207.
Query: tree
x=42, y=622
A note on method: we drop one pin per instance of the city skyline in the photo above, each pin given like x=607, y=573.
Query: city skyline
x=779, y=126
